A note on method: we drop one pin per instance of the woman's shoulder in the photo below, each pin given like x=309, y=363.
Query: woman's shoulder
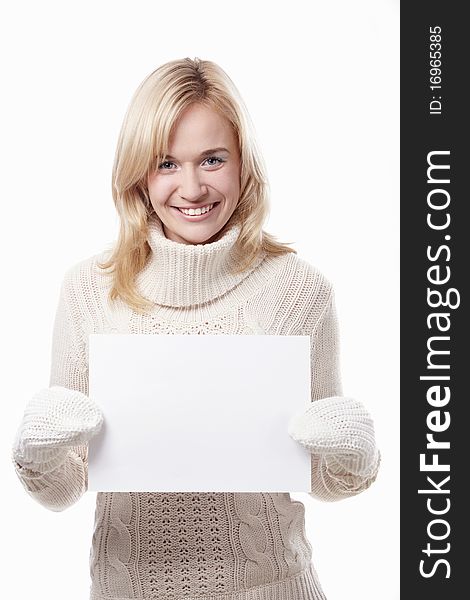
x=86, y=275
x=297, y=294
x=299, y=275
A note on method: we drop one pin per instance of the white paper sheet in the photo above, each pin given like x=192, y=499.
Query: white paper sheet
x=198, y=412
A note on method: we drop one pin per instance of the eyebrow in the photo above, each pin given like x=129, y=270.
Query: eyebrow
x=206, y=152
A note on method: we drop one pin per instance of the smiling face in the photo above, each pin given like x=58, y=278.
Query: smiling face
x=200, y=174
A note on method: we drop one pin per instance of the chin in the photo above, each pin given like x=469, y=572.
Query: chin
x=191, y=236
x=204, y=237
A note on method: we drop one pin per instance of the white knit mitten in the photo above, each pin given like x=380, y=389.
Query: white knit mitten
x=55, y=419
x=341, y=431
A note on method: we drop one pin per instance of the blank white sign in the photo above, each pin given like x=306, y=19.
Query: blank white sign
x=198, y=413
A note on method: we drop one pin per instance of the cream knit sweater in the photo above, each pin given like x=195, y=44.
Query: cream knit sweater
x=217, y=546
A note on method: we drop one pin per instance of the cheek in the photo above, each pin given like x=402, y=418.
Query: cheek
x=229, y=183
x=159, y=190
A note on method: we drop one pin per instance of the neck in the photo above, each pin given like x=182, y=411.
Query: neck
x=178, y=274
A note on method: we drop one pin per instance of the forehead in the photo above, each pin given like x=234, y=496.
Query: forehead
x=199, y=128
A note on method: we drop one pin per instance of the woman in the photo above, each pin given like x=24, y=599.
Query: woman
x=191, y=257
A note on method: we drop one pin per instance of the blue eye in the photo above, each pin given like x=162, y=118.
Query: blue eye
x=215, y=160
x=165, y=165
x=210, y=161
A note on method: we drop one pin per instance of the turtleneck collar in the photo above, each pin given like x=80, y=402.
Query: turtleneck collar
x=178, y=274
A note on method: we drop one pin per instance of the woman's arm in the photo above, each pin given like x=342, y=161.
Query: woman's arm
x=59, y=486
x=337, y=430
x=63, y=486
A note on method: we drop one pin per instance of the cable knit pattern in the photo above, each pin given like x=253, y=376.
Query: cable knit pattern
x=199, y=546
x=295, y=548
x=253, y=539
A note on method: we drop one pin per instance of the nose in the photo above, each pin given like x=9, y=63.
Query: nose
x=191, y=187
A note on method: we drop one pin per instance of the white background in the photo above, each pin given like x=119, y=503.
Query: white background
x=321, y=82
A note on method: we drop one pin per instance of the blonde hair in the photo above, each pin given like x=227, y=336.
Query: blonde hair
x=143, y=143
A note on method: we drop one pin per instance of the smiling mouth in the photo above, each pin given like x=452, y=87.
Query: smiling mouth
x=196, y=212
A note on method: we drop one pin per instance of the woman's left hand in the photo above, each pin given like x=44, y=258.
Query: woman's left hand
x=341, y=431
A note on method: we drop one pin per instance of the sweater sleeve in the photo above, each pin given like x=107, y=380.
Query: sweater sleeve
x=330, y=481
x=63, y=486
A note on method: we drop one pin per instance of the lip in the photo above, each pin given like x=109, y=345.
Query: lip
x=194, y=206
x=196, y=217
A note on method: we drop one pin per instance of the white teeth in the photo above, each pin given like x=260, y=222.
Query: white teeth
x=196, y=211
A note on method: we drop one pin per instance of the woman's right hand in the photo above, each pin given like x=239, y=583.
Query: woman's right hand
x=54, y=420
